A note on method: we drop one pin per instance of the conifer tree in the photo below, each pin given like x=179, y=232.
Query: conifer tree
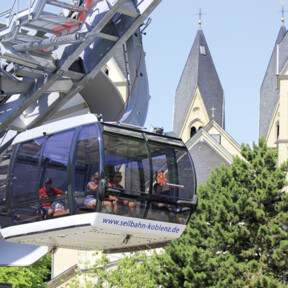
x=239, y=236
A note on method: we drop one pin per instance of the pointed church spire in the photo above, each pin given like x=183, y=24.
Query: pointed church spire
x=199, y=74
x=269, y=92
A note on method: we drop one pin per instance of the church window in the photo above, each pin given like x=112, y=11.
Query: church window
x=202, y=50
x=192, y=131
x=277, y=130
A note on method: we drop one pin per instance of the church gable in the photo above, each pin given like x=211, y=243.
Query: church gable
x=196, y=117
x=207, y=154
x=223, y=138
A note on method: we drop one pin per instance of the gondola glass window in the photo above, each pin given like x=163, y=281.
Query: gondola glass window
x=23, y=184
x=172, y=171
x=25, y=172
x=87, y=162
x=54, y=163
x=125, y=155
x=4, y=166
x=55, y=159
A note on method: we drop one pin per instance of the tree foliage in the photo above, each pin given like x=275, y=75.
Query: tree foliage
x=32, y=276
x=133, y=271
x=238, y=237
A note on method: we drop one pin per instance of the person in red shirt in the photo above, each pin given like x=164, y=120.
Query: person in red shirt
x=47, y=192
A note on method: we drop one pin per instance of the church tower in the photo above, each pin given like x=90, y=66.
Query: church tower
x=199, y=97
x=269, y=92
x=199, y=103
x=273, y=110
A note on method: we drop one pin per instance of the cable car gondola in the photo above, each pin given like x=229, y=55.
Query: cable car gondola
x=70, y=152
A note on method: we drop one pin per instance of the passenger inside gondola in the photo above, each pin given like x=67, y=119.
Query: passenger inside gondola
x=157, y=195
x=49, y=209
x=91, y=201
x=118, y=203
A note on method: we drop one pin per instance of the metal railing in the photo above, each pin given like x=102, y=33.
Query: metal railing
x=17, y=7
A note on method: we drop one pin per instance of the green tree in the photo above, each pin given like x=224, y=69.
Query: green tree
x=32, y=276
x=238, y=237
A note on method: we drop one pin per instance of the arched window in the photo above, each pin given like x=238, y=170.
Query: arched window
x=193, y=131
x=277, y=130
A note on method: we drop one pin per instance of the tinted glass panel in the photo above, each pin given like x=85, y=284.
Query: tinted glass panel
x=173, y=170
x=56, y=151
x=186, y=175
x=87, y=164
x=173, y=179
x=4, y=165
x=55, y=158
x=124, y=168
x=54, y=168
x=25, y=172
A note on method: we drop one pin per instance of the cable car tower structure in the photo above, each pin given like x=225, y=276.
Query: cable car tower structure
x=46, y=58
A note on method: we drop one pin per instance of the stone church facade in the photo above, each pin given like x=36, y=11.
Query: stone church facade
x=273, y=106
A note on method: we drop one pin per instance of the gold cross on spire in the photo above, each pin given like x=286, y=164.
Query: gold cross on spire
x=213, y=110
x=200, y=14
x=283, y=11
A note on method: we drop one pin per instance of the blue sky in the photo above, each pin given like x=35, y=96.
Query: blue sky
x=240, y=36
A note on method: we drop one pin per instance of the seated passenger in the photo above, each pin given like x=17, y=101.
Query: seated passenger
x=117, y=178
x=90, y=201
x=46, y=192
x=157, y=195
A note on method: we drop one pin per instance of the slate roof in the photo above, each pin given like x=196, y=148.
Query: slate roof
x=208, y=152
x=198, y=71
x=269, y=93
x=205, y=159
